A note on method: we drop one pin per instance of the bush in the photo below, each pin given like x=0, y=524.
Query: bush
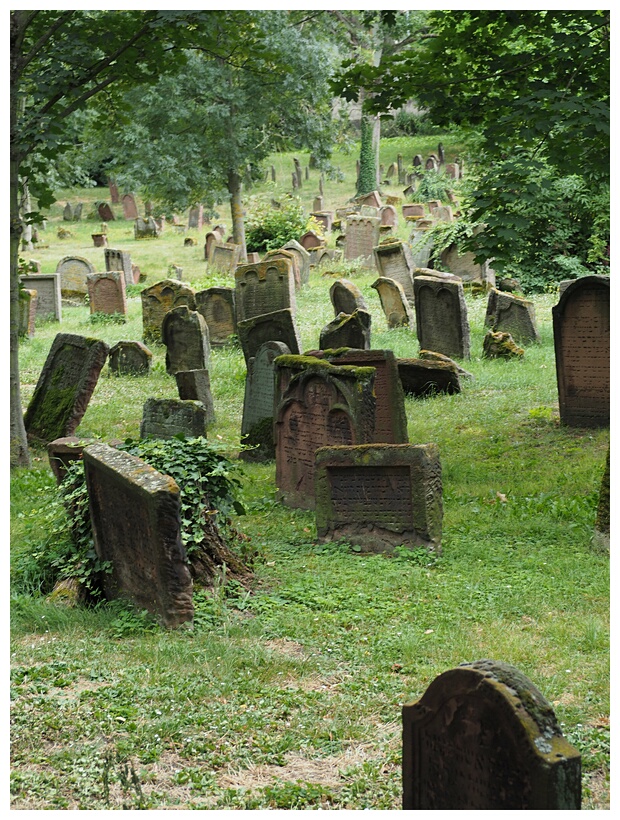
x=408, y=124
x=269, y=228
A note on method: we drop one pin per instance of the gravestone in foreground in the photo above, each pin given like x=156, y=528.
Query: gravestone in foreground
x=258, y=403
x=441, y=316
x=483, y=737
x=136, y=519
x=65, y=385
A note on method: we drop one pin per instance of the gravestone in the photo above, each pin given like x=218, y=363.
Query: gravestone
x=62, y=452
x=195, y=385
x=130, y=209
x=146, y=228
x=165, y=418
x=452, y=170
x=136, y=519
x=483, y=737
x=310, y=240
x=394, y=302
x=463, y=265
x=105, y=212
x=186, y=336
x=264, y=288
x=47, y=286
x=499, y=345
x=392, y=170
x=388, y=216
x=106, y=293
x=413, y=209
x=278, y=326
x=258, y=404
x=512, y=314
x=67, y=213
x=346, y=297
x=129, y=358
x=441, y=316
x=443, y=213
x=325, y=256
x=582, y=353
x=113, y=189
x=317, y=204
x=347, y=330
x=100, y=240
x=119, y=260
x=324, y=218
x=431, y=164
x=196, y=217
x=373, y=199
x=321, y=405
x=362, y=234
x=602, y=523
x=224, y=257
x=303, y=259
x=368, y=210
x=393, y=260
x=422, y=377
x=158, y=300
x=421, y=243
x=379, y=496
x=77, y=213
x=210, y=239
x=290, y=257
x=27, y=312
x=64, y=387
x=217, y=307
x=73, y=271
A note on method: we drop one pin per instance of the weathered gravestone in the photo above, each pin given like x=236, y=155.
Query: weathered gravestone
x=65, y=385
x=452, y=170
x=217, y=307
x=258, y=404
x=413, y=209
x=373, y=199
x=431, y=164
x=463, y=265
x=362, y=234
x=379, y=496
x=264, y=288
x=512, y=314
x=320, y=405
x=278, y=326
x=120, y=260
x=47, y=286
x=290, y=257
x=67, y=213
x=73, y=271
x=433, y=204
x=346, y=297
x=106, y=293
x=195, y=218
x=62, y=452
x=195, y=385
x=317, y=203
x=224, y=256
x=310, y=240
x=105, y=212
x=113, y=189
x=325, y=219
x=146, y=228
x=582, y=353
x=303, y=259
x=500, y=345
x=158, y=300
x=393, y=261
x=483, y=737
x=27, y=312
x=129, y=358
x=77, y=213
x=441, y=316
x=186, y=336
x=394, y=302
x=347, y=330
x=136, y=519
x=165, y=418
x=324, y=256
x=100, y=240
x=423, y=377
x=443, y=213
x=388, y=216
x=130, y=209
x=210, y=240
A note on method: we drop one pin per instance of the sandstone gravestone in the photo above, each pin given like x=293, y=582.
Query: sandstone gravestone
x=100, y=240
x=119, y=260
x=290, y=257
x=62, y=452
x=65, y=385
x=210, y=239
x=47, y=286
x=186, y=336
x=130, y=209
x=413, y=209
x=500, y=345
x=373, y=199
x=27, y=312
x=422, y=244
x=303, y=259
x=379, y=496
x=165, y=418
x=394, y=261
x=136, y=519
x=106, y=293
x=325, y=219
x=224, y=257
x=129, y=358
x=388, y=216
x=321, y=405
x=195, y=385
x=443, y=213
x=463, y=265
x=77, y=213
x=158, y=300
x=258, y=404
x=217, y=307
x=422, y=377
x=394, y=302
x=347, y=330
x=483, y=737
x=324, y=256
x=310, y=240
x=105, y=212
x=73, y=271
x=278, y=326
x=113, y=189
x=317, y=203
x=346, y=297
x=452, y=170
x=582, y=352
x=512, y=314
x=441, y=316
x=362, y=234
x=264, y=288
x=67, y=213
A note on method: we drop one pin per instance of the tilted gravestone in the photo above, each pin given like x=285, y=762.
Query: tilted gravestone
x=67, y=213
x=130, y=209
x=186, y=336
x=321, y=405
x=258, y=404
x=582, y=352
x=217, y=307
x=394, y=302
x=224, y=256
x=195, y=385
x=106, y=293
x=278, y=326
x=158, y=300
x=264, y=288
x=65, y=385
x=463, y=265
x=165, y=418
x=73, y=271
x=136, y=519
x=27, y=312
x=393, y=260
x=512, y=314
x=119, y=260
x=290, y=257
x=128, y=358
x=105, y=212
x=362, y=234
x=484, y=737
x=47, y=286
x=379, y=496
x=441, y=316
x=424, y=377
x=347, y=330
x=346, y=297
x=303, y=259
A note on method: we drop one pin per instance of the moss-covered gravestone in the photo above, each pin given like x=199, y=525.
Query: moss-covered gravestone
x=27, y=312
x=289, y=256
x=224, y=257
x=347, y=330
x=65, y=385
x=158, y=300
x=441, y=315
x=500, y=345
x=512, y=314
x=186, y=336
x=73, y=271
x=346, y=297
x=423, y=377
x=278, y=326
x=258, y=404
x=264, y=288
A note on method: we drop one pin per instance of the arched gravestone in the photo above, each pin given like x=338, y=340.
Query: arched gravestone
x=303, y=259
x=441, y=316
x=105, y=212
x=158, y=300
x=210, y=239
x=278, y=326
x=346, y=297
x=106, y=293
x=280, y=253
x=186, y=336
x=264, y=288
x=483, y=737
x=394, y=303
x=582, y=352
x=217, y=307
x=73, y=271
x=129, y=358
x=362, y=234
x=258, y=403
x=388, y=216
x=130, y=209
x=310, y=240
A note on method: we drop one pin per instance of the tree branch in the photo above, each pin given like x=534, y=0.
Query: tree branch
x=44, y=38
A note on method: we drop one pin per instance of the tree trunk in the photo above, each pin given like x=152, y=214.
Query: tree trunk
x=376, y=141
x=236, y=212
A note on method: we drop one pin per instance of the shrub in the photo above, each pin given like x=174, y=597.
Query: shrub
x=269, y=228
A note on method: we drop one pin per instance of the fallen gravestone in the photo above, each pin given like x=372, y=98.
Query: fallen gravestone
x=195, y=385
x=393, y=260
x=130, y=209
x=347, y=330
x=278, y=326
x=483, y=737
x=224, y=257
x=64, y=387
x=106, y=293
x=512, y=314
x=257, y=426
x=422, y=378
x=129, y=358
x=217, y=307
x=361, y=236
x=394, y=302
x=136, y=520
x=158, y=300
x=379, y=496
x=186, y=336
x=165, y=418
x=346, y=297
x=47, y=286
x=264, y=288
x=500, y=345
x=441, y=316
x=73, y=271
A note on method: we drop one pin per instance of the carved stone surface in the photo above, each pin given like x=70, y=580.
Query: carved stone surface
x=422, y=243
x=164, y=418
x=264, y=288
x=441, y=316
x=582, y=352
x=388, y=216
x=347, y=330
x=380, y=496
x=303, y=259
x=394, y=261
x=463, y=265
x=47, y=286
x=362, y=234
x=310, y=240
x=73, y=271
x=186, y=336
x=224, y=256
x=128, y=358
x=290, y=257
x=135, y=514
x=346, y=297
x=217, y=307
x=195, y=385
x=119, y=260
x=258, y=403
x=105, y=212
x=106, y=292
x=278, y=326
x=483, y=737
x=130, y=209
x=512, y=314
x=64, y=451
x=394, y=302
x=158, y=300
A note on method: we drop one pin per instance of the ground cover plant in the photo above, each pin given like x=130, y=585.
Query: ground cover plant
x=288, y=695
